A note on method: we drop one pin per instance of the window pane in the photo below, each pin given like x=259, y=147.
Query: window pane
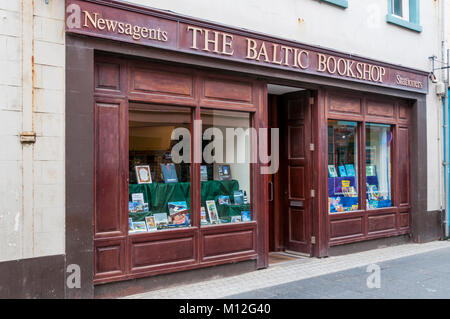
x=378, y=165
x=225, y=170
x=342, y=166
x=160, y=186
x=397, y=7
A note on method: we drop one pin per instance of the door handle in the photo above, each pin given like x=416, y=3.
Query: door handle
x=270, y=191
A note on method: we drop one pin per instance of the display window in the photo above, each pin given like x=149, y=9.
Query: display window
x=342, y=166
x=378, y=165
x=225, y=168
x=159, y=187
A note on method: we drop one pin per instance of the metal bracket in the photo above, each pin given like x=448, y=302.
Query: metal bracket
x=27, y=137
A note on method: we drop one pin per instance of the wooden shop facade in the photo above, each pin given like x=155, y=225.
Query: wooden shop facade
x=350, y=133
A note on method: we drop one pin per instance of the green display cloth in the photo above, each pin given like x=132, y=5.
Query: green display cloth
x=226, y=211
x=158, y=195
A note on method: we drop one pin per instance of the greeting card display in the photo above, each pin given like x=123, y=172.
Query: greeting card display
x=212, y=211
x=203, y=173
x=224, y=172
x=161, y=220
x=236, y=219
x=246, y=216
x=332, y=171
x=139, y=227
x=350, y=170
x=342, y=172
x=223, y=199
x=150, y=221
x=143, y=175
x=203, y=216
x=238, y=197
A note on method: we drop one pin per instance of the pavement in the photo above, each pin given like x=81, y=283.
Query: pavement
x=404, y=271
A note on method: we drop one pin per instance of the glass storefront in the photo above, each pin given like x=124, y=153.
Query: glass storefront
x=225, y=169
x=159, y=188
x=342, y=166
x=378, y=165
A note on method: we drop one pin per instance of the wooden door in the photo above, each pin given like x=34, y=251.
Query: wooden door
x=297, y=171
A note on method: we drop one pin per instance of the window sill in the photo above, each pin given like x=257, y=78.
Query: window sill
x=339, y=3
x=403, y=23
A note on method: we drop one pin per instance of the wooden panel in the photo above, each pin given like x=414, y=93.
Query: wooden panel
x=404, y=220
x=228, y=243
x=297, y=224
x=296, y=141
x=346, y=227
x=107, y=76
x=344, y=104
x=296, y=182
x=380, y=108
x=403, y=165
x=161, y=82
x=109, y=258
x=381, y=222
x=296, y=111
x=107, y=214
x=404, y=111
x=218, y=89
x=156, y=252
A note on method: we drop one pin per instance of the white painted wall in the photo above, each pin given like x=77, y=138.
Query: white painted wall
x=32, y=214
x=360, y=29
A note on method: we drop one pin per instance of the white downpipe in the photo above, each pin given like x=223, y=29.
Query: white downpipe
x=445, y=75
x=27, y=225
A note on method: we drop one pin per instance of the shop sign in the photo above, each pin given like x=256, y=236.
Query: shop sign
x=152, y=28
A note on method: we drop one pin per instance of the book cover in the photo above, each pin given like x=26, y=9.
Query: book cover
x=236, y=219
x=371, y=170
x=178, y=213
x=130, y=224
x=246, y=216
x=224, y=172
x=179, y=219
x=161, y=220
x=223, y=199
x=150, y=221
x=176, y=207
x=131, y=207
x=138, y=207
x=332, y=171
x=169, y=173
x=212, y=211
x=137, y=197
x=342, y=172
x=203, y=173
x=143, y=175
x=139, y=226
x=350, y=170
x=238, y=197
x=203, y=216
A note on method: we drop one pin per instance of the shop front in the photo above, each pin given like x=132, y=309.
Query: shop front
x=192, y=145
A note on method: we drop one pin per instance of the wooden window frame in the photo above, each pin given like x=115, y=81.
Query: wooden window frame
x=360, y=225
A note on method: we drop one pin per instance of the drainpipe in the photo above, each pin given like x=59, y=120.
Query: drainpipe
x=27, y=136
x=445, y=107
